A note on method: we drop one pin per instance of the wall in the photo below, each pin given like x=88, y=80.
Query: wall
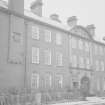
x=41, y=68
x=11, y=71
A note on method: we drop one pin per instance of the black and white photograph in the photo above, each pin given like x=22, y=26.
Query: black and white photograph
x=52, y=52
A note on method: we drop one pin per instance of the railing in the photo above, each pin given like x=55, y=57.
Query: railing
x=37, y=98
x=56, y=97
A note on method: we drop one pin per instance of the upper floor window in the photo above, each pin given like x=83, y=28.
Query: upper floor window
x=59, y=81
x=59, y=59
x=104, y=84
x=104, y=50
x=58, y=39
x=74, y=61
x=97, y=65
x=96, y=49
x=47, y=57
x=87, y=63
x=80, y=44
x=98, y=85
x=47, y=36
x=74, y=43
x=101, y=50
x=81, y=62
x=87, y=46
x=35, y=80
x=35, y=55
x=35, y=32
x=102, y=65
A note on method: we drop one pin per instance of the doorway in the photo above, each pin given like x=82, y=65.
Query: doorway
x=85, y=85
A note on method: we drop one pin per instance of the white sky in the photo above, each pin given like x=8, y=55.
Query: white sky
x=87, y=12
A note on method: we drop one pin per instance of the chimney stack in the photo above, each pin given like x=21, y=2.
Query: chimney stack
x=72, y=21
x=36, y=7
x=55, y=17
x=16, y=5
x=91, y=29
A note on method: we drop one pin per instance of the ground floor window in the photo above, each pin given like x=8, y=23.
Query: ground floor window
x=59, y=81
x=35, y=81
x=98, y=85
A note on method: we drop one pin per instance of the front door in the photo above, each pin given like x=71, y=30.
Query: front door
x=85, y=86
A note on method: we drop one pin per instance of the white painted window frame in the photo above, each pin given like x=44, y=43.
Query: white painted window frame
x=48, y=36
x=47, y=57
x=58, y=39
x=35, y=55
x=33, y=78
x=59, y=59
x=35, y=32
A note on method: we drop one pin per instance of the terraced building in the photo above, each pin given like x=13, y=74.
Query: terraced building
x=42, y=54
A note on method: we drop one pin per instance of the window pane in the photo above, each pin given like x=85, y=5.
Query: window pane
x=97, y=65
x=47, y=57
x=80, y=44
x=87, y=63
x=81, y=62
x=35, y=32
x=74, y=61
x=35, y=55
x=58, y=39
x=35, y=80
x=59, y=81
x=104, y=84
x=96, y=49
x=102, y=65
x=47, y=36
x=98, y=85
x=101, y=50
x=86, y=46
x=48, y=80
x=74, y=43
x=59, y=59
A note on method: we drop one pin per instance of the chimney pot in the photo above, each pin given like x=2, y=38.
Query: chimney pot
x=91, y=29
x=36, y=7
x=55, y=17
x=72, y=21
x=16, y=5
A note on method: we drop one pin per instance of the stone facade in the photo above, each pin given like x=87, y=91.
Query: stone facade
x=86, y=58
x=40, y=56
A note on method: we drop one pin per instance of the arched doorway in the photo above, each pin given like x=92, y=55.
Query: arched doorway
x=85, y=86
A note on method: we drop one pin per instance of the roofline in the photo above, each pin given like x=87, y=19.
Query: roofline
x=44, y=23
x=97, y=42
x=5, y=10
x=85, y=30
x=90, y=40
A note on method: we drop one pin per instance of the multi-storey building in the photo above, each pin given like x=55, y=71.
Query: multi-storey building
x=43, y=54
x=47, y=55
x=87, y=59
x=33, y=49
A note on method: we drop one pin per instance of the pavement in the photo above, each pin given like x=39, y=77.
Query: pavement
x=89, y=101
